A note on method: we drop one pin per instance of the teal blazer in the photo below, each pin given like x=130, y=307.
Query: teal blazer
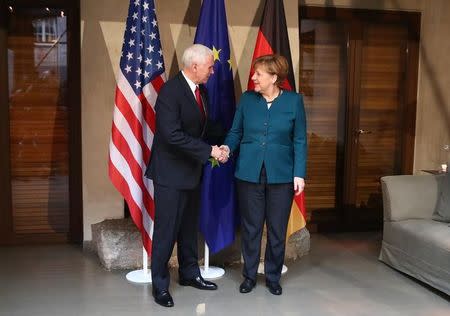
x=275, y=137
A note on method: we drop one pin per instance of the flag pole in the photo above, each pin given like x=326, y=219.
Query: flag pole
x=210, y=272
x=141, y=276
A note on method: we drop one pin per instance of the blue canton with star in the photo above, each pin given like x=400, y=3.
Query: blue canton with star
x=142, y=58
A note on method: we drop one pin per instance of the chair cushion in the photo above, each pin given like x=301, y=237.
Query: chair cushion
x=426, y=240
x=442, y=210
x=420, y=248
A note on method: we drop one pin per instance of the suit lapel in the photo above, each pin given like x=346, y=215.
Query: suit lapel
x=193, y=102
x=188, y=92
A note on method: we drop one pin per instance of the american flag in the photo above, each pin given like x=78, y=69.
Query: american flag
x=139, y=80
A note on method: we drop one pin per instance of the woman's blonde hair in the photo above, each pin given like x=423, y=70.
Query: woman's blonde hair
x=274, y=64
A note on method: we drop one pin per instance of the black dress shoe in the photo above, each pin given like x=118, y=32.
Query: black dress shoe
x=247, y=286
x=199, y=283
x=274, y=288
x=163, y=298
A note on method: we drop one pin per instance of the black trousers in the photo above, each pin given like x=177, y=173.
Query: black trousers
x=176, y=220
x=259, y=203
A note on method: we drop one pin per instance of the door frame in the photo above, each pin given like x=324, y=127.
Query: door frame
x=5, y=175
x=343, y=219
x=75, y=234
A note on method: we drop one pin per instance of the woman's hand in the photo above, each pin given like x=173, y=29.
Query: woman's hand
x=225, y=153
x=299, y=185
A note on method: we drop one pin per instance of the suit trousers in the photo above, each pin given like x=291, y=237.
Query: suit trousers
x=258, y=203
x=176, y=220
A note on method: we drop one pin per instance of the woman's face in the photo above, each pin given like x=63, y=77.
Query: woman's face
x=263, y=80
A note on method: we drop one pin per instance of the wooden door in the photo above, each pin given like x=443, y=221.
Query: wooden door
x=323, y=83
x=42, y=138
x=358, y=78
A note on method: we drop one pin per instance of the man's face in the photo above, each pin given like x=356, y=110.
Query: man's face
x=204, y=69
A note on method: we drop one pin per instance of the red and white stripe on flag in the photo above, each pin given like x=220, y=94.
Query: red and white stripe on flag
x=139, y=80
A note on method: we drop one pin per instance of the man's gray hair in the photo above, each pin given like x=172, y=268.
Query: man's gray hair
x=196, y=53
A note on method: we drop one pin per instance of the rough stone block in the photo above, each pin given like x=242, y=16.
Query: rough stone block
x=119, y=246
x=118, y=243
x=298, y=244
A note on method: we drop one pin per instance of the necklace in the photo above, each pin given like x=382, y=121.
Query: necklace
x=269, y=102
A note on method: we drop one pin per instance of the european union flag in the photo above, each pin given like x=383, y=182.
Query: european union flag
x=218, y=216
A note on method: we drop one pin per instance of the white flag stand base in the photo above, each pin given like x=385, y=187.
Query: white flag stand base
x=141, y=276
x=261, y=268
x=210, y=272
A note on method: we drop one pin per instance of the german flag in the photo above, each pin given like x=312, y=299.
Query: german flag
x=273, y=39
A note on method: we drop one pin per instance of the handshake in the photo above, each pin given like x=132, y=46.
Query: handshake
x=221, y=154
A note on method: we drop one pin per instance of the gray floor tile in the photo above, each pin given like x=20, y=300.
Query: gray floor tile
x=340, y=276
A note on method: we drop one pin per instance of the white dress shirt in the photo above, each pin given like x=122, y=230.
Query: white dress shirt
x=191, y=83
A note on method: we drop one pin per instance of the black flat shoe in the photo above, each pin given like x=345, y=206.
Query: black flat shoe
x=274, y=288
x=247, y=286
x=199, y=283
x=163, y=298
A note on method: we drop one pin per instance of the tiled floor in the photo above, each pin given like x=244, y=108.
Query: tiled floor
x=340, y=276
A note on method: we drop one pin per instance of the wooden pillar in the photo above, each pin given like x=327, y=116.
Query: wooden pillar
x=5, y=184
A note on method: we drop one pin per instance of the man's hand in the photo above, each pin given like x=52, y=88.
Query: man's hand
x=299, y=185
x=216, y=152
x=225, y=153
x=220, y=153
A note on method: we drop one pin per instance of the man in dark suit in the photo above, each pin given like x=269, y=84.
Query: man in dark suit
x=178, y=154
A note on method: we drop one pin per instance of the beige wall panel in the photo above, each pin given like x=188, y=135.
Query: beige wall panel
x=113, y=42
x=433, y=110
x=99, y=49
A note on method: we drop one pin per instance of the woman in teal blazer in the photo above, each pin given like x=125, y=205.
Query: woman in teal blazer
x=269, y=128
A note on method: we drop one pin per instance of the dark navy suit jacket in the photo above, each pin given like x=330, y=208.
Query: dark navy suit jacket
x=179, y=149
